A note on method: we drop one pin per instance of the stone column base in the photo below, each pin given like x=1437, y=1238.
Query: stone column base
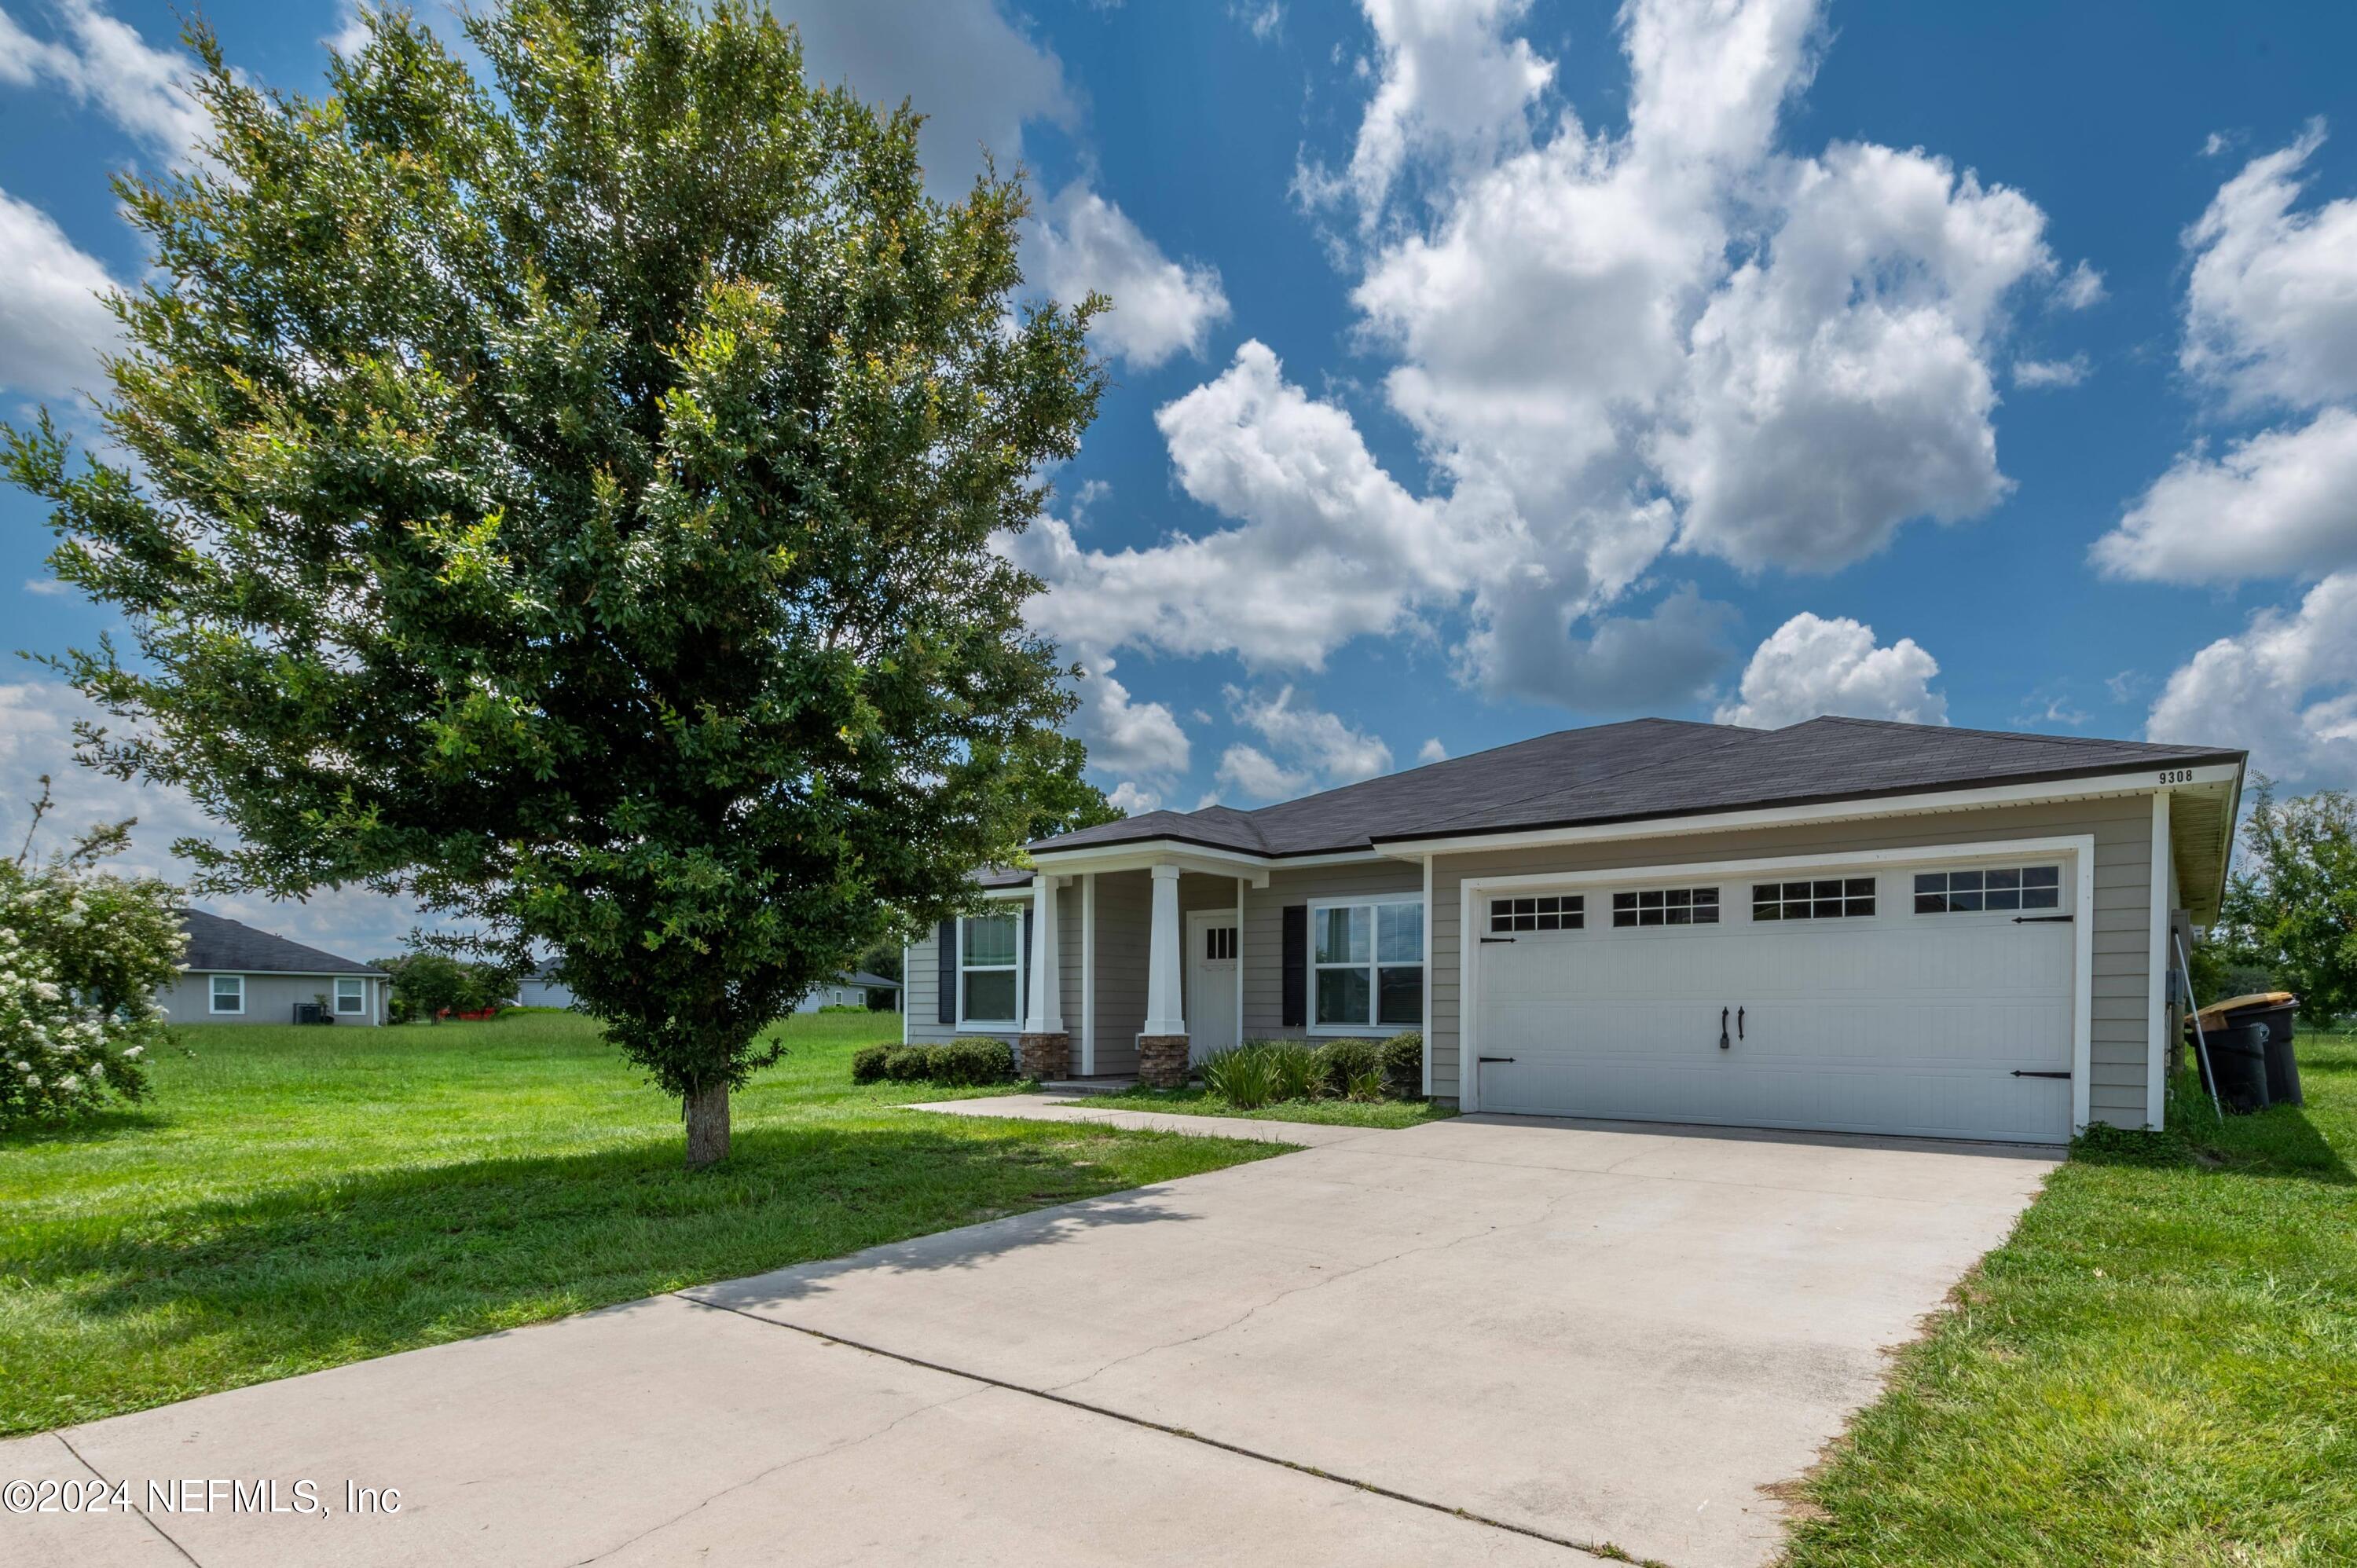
x=1044, y=1056
x=1162, y=1060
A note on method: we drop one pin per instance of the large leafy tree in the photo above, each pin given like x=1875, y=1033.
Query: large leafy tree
x=2290, y=910
x=567, y=497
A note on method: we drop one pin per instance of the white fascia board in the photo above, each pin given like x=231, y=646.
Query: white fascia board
x=1254, y=868
x=298, y=974
x=2138, y=781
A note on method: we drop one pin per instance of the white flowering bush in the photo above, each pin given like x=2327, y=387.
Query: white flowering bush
x=81, y=954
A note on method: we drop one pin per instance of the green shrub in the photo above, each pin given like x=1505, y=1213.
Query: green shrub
x=1244, y=1075
x=1403, y=1065
x=962, y=1063
x=844, y=1007
x=1296, y=1068
x=1344, y=1061
x=972, y=1061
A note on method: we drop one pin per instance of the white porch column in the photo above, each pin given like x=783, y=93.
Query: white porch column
x=1044, y=1015
x=1164, y=950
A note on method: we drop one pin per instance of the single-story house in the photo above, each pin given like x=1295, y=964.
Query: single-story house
x=1843, y=924
x=233, y=974
x=541, y=988
x=857, y=989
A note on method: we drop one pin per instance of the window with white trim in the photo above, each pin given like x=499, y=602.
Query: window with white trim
x=1367, y=964
x=990, y=971
x=1819, y=899
x=1219, y=943
x=229, y=993
x=1547, y=912
x=351, y=997
x=1992, y=888
x=1666, y=907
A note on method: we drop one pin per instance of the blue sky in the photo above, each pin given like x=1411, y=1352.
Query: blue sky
x=1486, y=368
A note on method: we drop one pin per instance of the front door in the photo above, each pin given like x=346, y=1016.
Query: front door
x=1211, y=1000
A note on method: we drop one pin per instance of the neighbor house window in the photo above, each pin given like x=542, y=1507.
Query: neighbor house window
x=1820, y=898
x=1551, y=912
x=2004, y=887
x=351, y=997
x=990, y=969
x=1369, y=964
x=1666, y=907
x=229, y=993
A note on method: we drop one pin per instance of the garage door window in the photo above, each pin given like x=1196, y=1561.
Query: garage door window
x=2001, y=888
x=1369, y=963
x=1552, y=913
x=1822, y=899
x=1666, y=907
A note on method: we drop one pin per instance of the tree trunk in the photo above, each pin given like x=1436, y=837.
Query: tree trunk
x=707, y=1126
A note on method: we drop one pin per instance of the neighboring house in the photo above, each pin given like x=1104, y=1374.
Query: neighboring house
x=857, y=989
x=233, y=974
x=1844, y=925
x=541, y=988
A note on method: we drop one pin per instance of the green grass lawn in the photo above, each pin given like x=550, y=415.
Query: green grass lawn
x=294, y=1198
x=2159, y=1367
x=1197, y=1100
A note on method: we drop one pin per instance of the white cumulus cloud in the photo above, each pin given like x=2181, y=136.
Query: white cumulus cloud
x=1432, y=751
x=1811, y=666
x=1312, y=739
x=2281, y=503
x=2284, y=690
x=1256, y=776
x=1452, y=86
x=53, y=325
x=2271, y=304
x=1084, y=243
x=100, y=59
x=1608, y=344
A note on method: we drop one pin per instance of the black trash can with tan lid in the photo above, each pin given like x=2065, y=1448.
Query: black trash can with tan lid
x=2270, y=1010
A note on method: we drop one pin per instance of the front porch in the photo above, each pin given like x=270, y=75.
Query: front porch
x=1146, y=974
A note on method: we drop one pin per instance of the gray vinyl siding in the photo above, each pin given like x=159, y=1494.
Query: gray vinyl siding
x=2121, y=829
x=269, y=999
x=920, y=979
x=1262, y=940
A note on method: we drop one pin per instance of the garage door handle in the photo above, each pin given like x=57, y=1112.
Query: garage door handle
x=1738, y=1023
x=1722, y=1028
x=1497, y=939
x=1493, y=1059
x=2033, y=1072
x=2042, y=919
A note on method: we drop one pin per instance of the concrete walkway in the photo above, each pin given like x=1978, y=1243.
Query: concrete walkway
x=1573, y=1334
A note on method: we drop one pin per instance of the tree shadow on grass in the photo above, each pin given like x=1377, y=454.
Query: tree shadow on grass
x=103, y=1128
x=317, y=1273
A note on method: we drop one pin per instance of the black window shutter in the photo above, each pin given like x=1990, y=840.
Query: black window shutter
x=1023, y=977
x=945, y=952
x=1297, y=966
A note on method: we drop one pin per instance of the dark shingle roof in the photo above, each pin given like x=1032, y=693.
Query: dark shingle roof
x=873, y=982
x=227, y=946
x=1638, y=771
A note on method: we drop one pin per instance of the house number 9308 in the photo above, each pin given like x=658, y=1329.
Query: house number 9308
x=2177, y=775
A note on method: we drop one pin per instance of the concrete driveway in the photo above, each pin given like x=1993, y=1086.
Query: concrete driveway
x=1488, y=1340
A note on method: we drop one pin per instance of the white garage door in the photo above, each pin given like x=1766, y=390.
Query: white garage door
x=1934, y=1000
